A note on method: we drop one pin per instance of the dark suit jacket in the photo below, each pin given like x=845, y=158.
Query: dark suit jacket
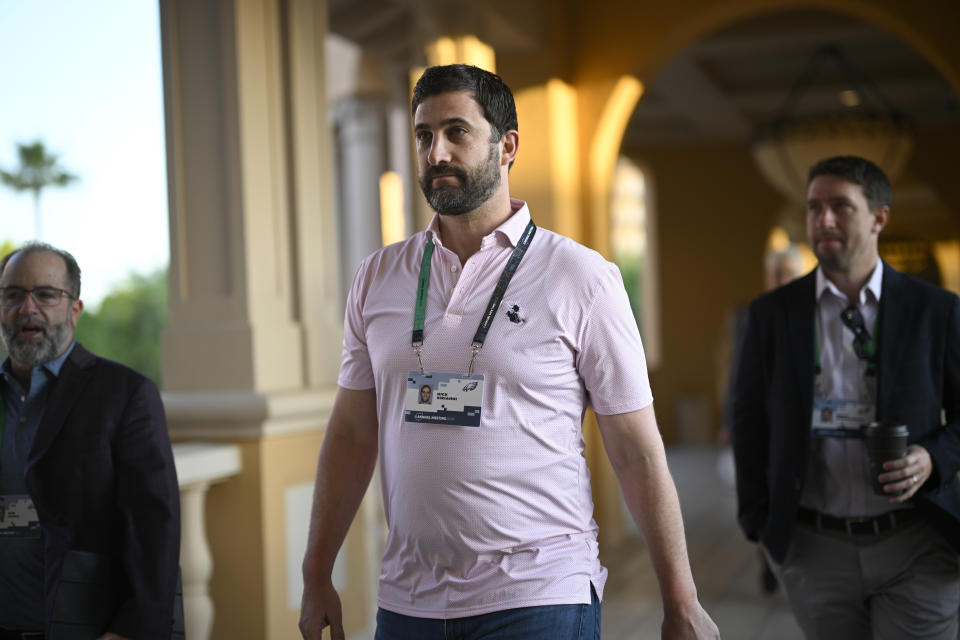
x=102, y=478
x=918, y=375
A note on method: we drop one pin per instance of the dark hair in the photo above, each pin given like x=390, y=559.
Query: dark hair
x=870, y=177
x=488, y=89
x=73, y=269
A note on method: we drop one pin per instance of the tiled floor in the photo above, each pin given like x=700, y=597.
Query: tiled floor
x=725, y=565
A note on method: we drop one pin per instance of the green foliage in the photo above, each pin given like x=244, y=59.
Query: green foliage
x=631, y=269
x=37, y=171
x=126, y=327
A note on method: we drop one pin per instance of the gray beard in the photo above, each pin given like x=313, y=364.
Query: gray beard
x=35, y=353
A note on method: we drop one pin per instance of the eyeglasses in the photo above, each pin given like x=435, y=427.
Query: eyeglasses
x=863, y=344
x=43, y=296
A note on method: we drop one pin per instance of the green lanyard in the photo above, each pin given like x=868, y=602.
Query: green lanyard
x=423, y=284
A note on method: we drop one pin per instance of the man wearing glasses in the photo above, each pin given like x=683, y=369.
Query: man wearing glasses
x=86, y=464
x=860, y=342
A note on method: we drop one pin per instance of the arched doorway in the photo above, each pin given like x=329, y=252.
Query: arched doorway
x=692, y=129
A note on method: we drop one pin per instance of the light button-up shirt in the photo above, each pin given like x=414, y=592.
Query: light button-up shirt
x=497, y=516
x=838, y=472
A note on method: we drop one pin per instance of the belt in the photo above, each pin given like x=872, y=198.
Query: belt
x=10, y=634
x=867, y=526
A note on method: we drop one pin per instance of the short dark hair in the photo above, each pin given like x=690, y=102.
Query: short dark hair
x=871, y=178
x=488, y=89
x=69, y=262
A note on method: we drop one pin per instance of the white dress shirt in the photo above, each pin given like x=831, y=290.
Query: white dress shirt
x=838, y=473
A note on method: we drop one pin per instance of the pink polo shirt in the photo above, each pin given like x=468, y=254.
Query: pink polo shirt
x=498, y=516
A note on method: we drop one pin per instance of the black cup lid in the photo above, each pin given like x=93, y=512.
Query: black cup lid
x=887, y=430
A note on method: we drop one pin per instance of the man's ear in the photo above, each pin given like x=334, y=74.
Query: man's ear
x=880, y=217
x=76, y=308
x=510, y=144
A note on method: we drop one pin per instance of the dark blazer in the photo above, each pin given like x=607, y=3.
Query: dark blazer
x=918, y=375
x=102, y=478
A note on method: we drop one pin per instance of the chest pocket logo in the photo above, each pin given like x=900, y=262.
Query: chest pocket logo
x=513, y=313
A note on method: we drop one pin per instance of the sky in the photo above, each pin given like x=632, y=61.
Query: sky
x=85, y=79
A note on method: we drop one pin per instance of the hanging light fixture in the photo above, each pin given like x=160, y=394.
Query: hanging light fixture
x=866, y=125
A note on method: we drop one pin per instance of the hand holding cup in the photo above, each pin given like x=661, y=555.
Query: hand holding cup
x=885, y=443
x=901, y=477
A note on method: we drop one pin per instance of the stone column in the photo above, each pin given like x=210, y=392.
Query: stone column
x=251, y=353
x=359, y=123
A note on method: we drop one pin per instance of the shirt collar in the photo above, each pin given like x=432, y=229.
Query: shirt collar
x=53, y=366
x=56, y=364
x=512, y=228
x=873, y=285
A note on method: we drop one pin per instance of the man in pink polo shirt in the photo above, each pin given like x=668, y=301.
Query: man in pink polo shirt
x=515, y=330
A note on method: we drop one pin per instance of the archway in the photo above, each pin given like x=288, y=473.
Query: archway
x=715, y=208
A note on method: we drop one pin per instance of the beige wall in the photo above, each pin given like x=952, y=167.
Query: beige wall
x=248, y=541
x=713, y=212
x=284, y=463
x=235, y=534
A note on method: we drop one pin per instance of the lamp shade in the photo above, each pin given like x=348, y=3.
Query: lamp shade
x=786, y=151
x=785, y=148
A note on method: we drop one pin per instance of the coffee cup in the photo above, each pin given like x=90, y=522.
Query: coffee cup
x=885, y=442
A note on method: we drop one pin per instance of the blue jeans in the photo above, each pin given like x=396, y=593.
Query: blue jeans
x=550, y=622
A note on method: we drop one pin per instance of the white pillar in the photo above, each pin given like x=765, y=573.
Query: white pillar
x=196, y=563
x=198, y=466
x=361, y=151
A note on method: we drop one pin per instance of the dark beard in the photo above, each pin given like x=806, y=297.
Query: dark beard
x=35, y=353
x=476, y=186
x=839, y=261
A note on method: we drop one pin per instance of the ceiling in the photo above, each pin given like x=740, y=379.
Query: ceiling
x=395, y=30
x=720, y=89
x=727, y=85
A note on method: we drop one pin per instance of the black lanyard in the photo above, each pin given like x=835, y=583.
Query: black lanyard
x=423, y=284
x=871, y=360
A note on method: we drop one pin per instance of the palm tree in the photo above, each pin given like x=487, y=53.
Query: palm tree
x=37, y=171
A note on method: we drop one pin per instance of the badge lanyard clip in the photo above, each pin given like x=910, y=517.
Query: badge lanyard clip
x=475, y=349
x=416, y=347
